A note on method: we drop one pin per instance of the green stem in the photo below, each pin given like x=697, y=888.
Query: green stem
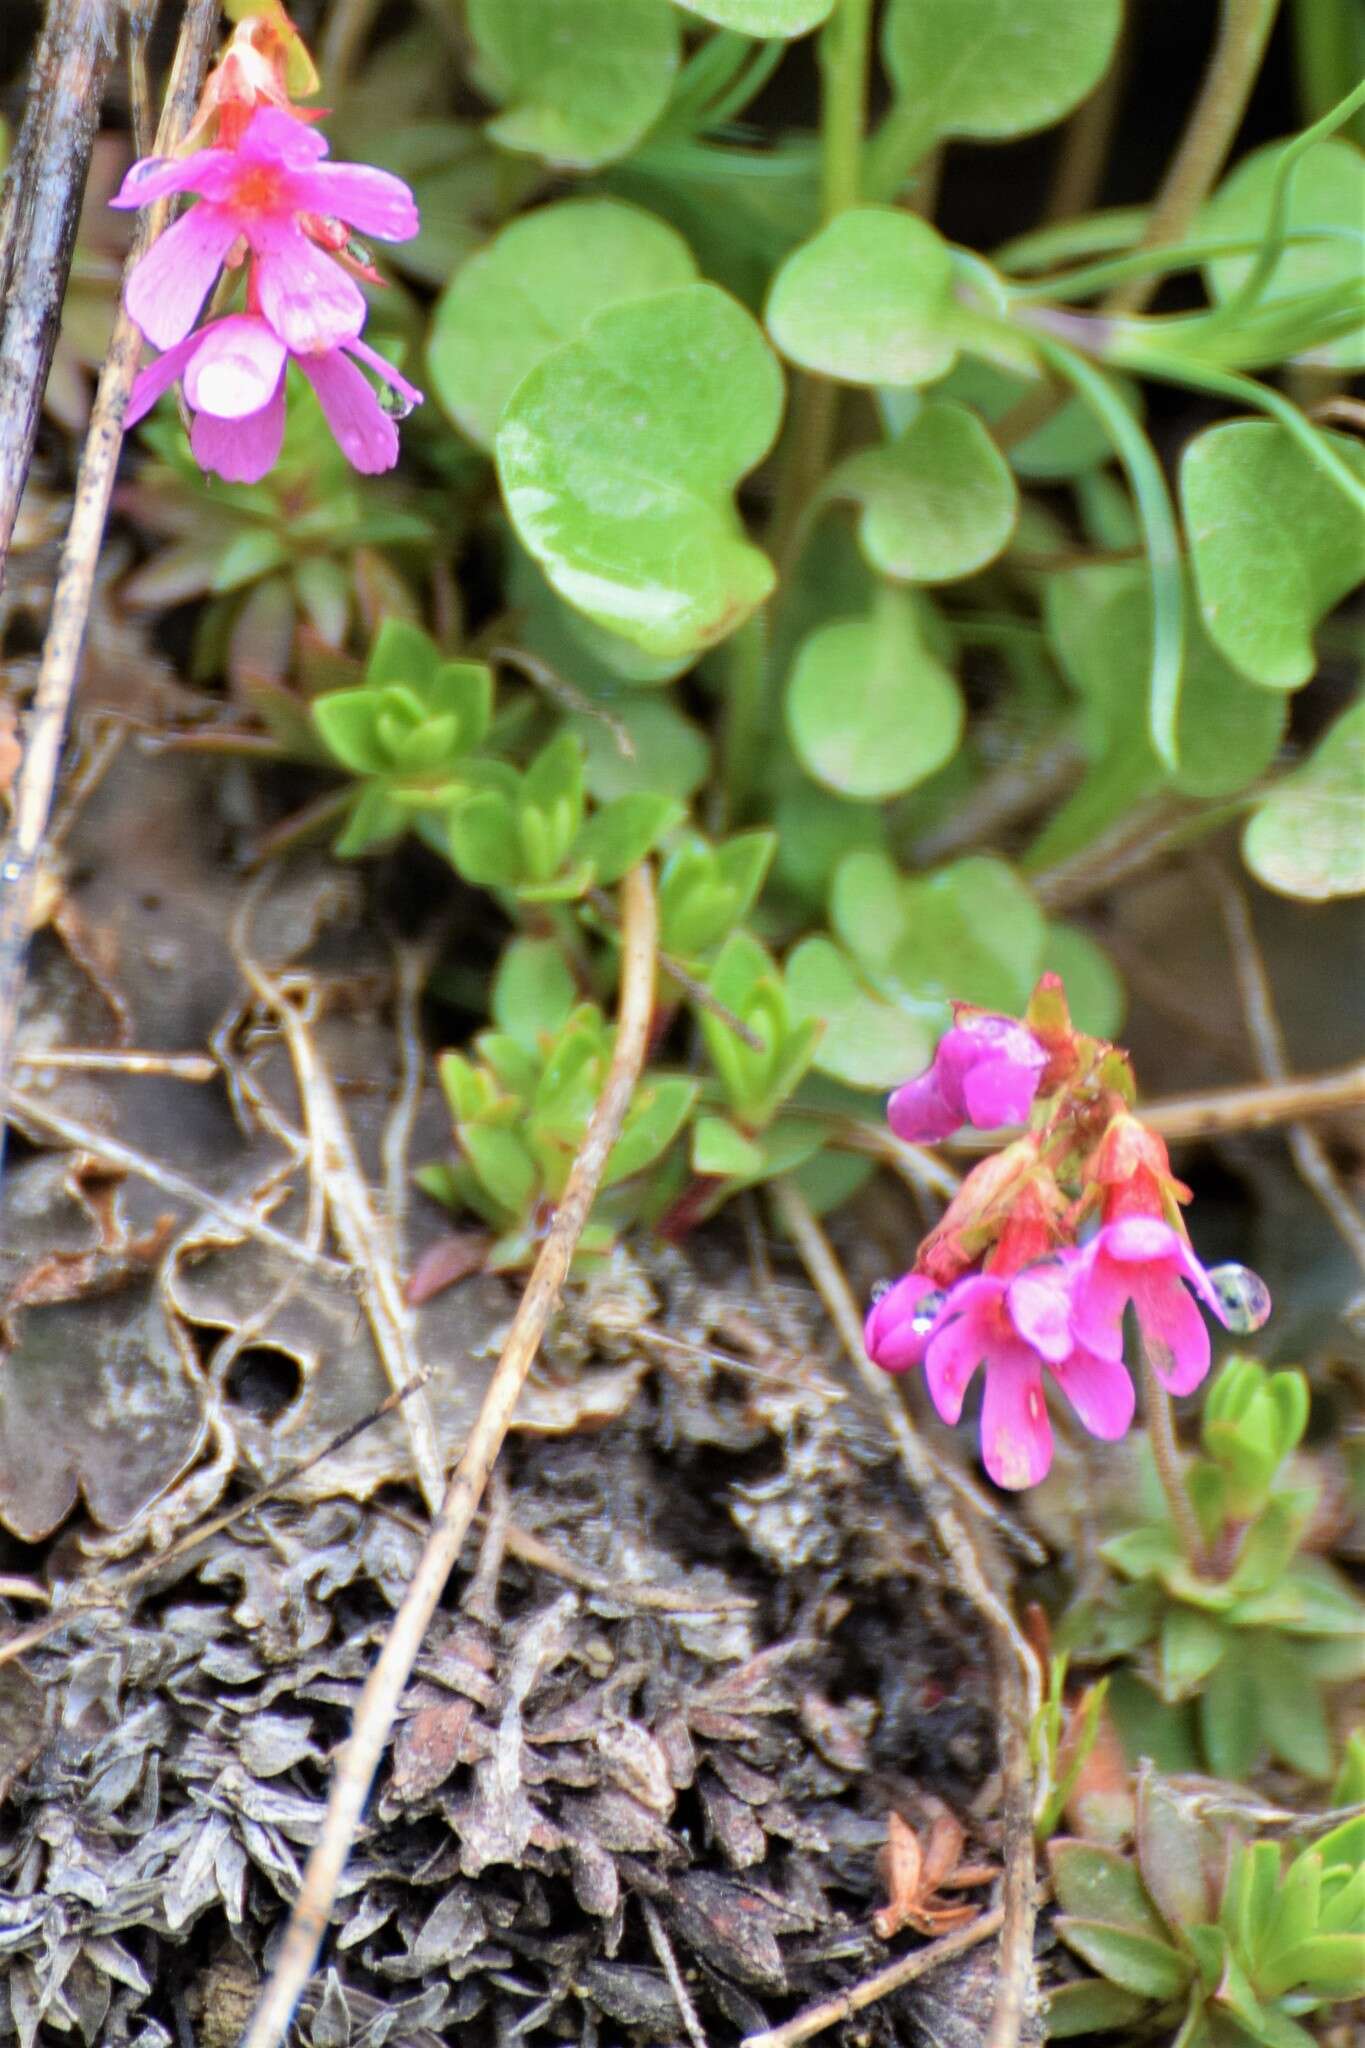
x=1243, y=32
x=1156, y=1412
x=845, y=59
x=745, y=714
x=1329, y=48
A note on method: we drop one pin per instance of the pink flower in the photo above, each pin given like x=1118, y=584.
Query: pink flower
x=985, y=1072
x=1013, y=1328
x=899, y=1323
x=1148, y=1262
x=275, y=193
x=232, y=374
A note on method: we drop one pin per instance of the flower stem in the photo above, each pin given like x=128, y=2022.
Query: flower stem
x=1243, y=31
x=1156, y=1411
x=844, y=63
x=745, y=693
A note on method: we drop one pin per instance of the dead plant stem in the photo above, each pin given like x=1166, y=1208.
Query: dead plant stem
x=359, y=1760
x=818, y=2019
x=46, y=721
x=1160, y=1421
x=1019, y=1684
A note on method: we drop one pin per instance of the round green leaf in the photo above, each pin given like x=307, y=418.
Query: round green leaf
x=779, y=19
x=535, y=287
x=670, y=754
x=1070, y=443
x=1307, y=840
x=938, y=503
x=869, y=709
x=868, y=300
x=998, y=67
x=867, y=1041
x=580, y=81
x=533, y=991
x=1274, y=544
x=971, y=932
x=1326, y=190
x=618, y=455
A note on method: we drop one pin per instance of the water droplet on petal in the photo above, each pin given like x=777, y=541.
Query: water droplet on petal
x=396, y=404
x=927, y=1313
x=1244, y=1296
x=880, y=1289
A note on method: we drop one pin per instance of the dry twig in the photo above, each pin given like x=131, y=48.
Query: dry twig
x=359, y=1760
x=1019, y=1684
x=1306, y=1148
x=817, y=2019
x=45, y=724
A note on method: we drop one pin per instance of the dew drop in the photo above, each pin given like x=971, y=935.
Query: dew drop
x=395, y=403
x=880, y=1289
x=927, y=1313
x=1244, y=1296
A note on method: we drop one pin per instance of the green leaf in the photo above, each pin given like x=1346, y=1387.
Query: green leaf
x=580, y=81
x=622, y=833
x=536, y=286
x=1071, y=443
x=776, y=18
x=1090, y=2007
x=1137, y=1962
x=868, y=1042
x=657, y=1114
x=721, y=1150
x=1293, y=1720
x=997, y=67
x=375, y=820
x=869, y=300
x=1191, y=1644
x=502, y=1163
x=401, y=653
x=1332, y=1965
x=346, y=723
x=534, y=991
x=618, y=455
x=1170, y=1855
x=1094, y=1883
x=938, y=503
x=1326, y=190
x=251, y=553
x=1229, y=1726
x=669, y=754
x=1275, y=544
x=869, y=709
x=485, y=845
x=970, y=932
x=1305, y=840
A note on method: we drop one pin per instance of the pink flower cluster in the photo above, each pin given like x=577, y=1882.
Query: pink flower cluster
x=272, y=205
x=1045, y=1246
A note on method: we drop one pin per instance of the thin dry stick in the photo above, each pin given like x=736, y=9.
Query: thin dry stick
x=1019, y=1683
x=115, y=1592
x=663, y=1949
x=1160, y=1420
x=696, y=991
x=33, y=1111
x=41, y=210
x=818, y=2019
x=360, y=1758
x=1306, y=1149
x=171, y=1066
x=45, y=724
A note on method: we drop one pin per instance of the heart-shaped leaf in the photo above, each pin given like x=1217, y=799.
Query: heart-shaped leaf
x=938, y=503
x=579, y=81
x=780, y=19
x=997, y=67
x=618, y=455
x=868, y=300
x=1306, y=840
x=970, y=932
x=1326, y=191
x=869, y=709
x=1274, y=544
x=535, y=287
x=868, y=1041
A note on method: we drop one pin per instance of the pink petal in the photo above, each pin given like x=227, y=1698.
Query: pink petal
x=996, y=1092
x=236, y=368
x=385, y=370
x=1199, y=1280
x=308, y=299
x=1100, y=1293
x=1173, y=1330
x=1138, y=1239
x=373, y=201
x=240, y=451
x=152, y=177
x=959, y=1344
x=918, y=1113
x=890, y=1335
x=166, y=289
x=1016, y=1434
x=1039, y=1302
x=158, y=377
x=1099, y=1390
x=365, y=434
x=274, y=137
